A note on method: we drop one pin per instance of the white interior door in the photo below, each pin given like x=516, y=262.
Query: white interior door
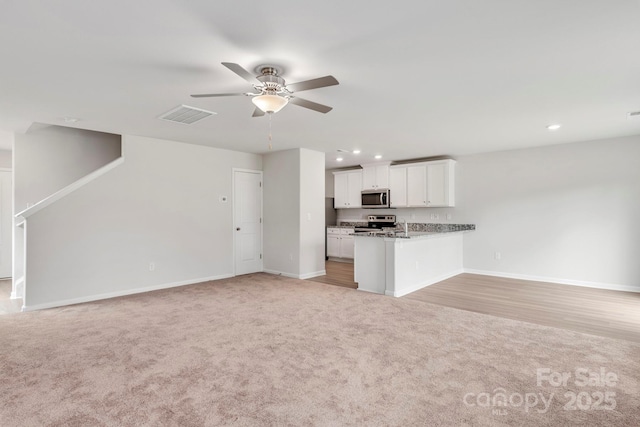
x=5, y=224
x=247, y=221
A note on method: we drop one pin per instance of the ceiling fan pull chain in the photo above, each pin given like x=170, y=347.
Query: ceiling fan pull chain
x=270, y=137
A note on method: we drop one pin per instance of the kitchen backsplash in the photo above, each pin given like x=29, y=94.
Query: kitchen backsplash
x=413, y=215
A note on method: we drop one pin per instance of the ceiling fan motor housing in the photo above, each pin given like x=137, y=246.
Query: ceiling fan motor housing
x=271, y=81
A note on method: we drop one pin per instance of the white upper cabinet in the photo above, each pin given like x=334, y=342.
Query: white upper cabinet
x=398, y=186
x=348, y=189
x=417, y=185
x=412, y=185
x=375, y=176
x=431, y=184
x=440, y=183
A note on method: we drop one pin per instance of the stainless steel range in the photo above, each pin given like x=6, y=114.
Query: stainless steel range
x=378, y=224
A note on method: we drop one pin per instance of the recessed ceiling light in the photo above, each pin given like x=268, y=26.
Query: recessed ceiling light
x=356, y=151
x=378, y=156
x=71, y=120
x=553, y=127
x=339, y=159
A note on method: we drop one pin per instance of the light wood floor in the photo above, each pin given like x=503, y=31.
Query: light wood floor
x=338, y=273
x=600, y=312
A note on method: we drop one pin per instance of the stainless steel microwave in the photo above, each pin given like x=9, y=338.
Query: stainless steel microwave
x=376, y=198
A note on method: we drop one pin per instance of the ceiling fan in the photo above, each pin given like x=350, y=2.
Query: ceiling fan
x=273, y=92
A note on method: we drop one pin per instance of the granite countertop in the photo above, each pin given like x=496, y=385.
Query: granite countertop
x=415, y=229
x=409, y=235
x=422, y=231
x=348, y=225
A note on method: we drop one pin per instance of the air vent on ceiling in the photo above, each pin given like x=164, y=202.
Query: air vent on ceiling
x=185, y=115
x=634, y=115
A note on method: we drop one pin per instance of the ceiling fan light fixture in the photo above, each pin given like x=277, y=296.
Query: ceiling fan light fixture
x=270, y=103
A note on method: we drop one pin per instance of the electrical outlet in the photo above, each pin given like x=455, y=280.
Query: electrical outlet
x=448, y=216
x=417, y=265
x=497, y=256
x=152, y=266
x=308, y=216
x=290, y=257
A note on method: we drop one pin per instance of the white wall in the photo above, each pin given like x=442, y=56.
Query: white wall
x=329, y=189
x=52, y=157
x=160, y=206
x=566, y=213
x=294, y=228
x=6, y=140
x=312, y=225
x=5, y=159
x=281, y=207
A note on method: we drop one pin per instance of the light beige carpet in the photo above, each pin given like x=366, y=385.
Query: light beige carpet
x=266, y=350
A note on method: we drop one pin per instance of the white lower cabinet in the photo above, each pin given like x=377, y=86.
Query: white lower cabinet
x=339, y=243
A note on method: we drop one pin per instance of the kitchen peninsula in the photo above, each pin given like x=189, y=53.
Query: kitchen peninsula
x=398, y=263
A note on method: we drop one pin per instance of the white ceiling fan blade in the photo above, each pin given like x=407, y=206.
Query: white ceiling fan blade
x=313, y=84
x=310, y=105
x=257, y=113
x=209, y=95
x=240, y=71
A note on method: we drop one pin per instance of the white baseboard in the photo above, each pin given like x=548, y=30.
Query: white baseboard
x=430, y=282
x=368, y=290
x=296, y=276
x=19, y=284
x=597, y=285
x=314, y=274
x=345, y=260
x=280, y=273
x=121, y=293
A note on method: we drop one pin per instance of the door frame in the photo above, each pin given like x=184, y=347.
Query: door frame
x=233, y=213
x=10, y=199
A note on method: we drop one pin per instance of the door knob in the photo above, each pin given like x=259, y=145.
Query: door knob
x=237, y=228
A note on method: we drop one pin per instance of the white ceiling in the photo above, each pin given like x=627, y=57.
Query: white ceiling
x=417, y=78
